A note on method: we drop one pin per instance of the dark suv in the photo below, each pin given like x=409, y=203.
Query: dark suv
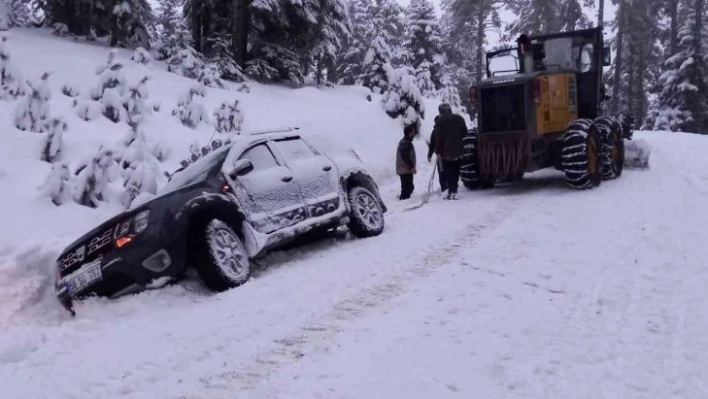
x=229, y=206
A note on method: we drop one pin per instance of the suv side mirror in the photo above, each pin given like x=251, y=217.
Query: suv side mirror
x=606, y=56
x=241, y=167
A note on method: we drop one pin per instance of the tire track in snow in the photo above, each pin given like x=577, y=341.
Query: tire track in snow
x=320, y=335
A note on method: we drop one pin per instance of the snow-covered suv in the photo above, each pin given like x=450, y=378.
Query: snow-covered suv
x=229, y=206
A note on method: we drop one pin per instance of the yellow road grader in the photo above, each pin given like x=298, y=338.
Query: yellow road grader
x=548, y=112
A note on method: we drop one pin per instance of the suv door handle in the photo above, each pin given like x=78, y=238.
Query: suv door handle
x=286, y=178
x=327, y=168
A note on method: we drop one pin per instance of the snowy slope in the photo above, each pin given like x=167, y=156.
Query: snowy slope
x=527, y=290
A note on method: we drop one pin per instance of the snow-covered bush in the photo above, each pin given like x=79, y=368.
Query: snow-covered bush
x=423, y=79
x=57, y=186
x=209, y=77
x=54, y=141
x=228, y=118
x=11, y=82
x=22, y=11
x=7, y=16
x=70, y=91
x=87, y=110
x=189, y=110
x=161, y=150
x=93, y=178
x=140, y=166
x=141, y=56
x=112, y=105
x=135, y=103
x=32, y=112
x=403, y=98
x=60, y=29
x=187, y=62
x=244, y=88
x=110, y=76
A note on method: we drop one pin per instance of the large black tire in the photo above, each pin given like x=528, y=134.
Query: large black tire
x=366, y=218
x=580, y=155
x=220, y=257
x=469, y=163
x=612, y=147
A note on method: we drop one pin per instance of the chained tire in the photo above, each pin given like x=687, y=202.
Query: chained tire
x=580, y=155
x=220, y=257
x=612, y=155
x=469, y=163
x=366, y=218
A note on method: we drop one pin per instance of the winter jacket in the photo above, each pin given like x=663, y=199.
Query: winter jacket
x=405, y=157
x=447, y=135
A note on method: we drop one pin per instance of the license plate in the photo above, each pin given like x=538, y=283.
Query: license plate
x=84, y=277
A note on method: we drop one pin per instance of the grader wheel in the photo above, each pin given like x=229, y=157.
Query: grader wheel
x=581, y=155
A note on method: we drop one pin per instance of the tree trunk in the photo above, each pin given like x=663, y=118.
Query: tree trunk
x=241, y=24
x=618, y=59
x=673, y=14
x=479, y=45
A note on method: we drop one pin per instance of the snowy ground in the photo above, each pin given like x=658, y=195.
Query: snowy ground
x=527, y=291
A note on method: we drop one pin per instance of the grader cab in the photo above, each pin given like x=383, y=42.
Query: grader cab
x=546, y=112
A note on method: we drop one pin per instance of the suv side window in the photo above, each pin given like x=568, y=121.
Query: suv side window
x=294, y=149
x=260, y=156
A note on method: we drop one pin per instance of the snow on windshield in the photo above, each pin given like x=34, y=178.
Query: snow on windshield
x=202, y=168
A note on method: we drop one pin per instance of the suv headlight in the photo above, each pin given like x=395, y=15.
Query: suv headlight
x=126, y=231
x=140, y=221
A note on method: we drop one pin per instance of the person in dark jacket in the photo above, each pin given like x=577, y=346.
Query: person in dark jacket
x=441, y=172
x=449, y=130
x=406, y=161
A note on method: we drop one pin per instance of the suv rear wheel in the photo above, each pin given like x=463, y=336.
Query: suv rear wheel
x=221, y=259
x=366, y=217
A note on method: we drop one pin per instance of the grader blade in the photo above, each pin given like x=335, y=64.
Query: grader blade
x=636, y=154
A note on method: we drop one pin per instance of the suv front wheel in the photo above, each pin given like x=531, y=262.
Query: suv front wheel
x=221, y=259
x=366, y=218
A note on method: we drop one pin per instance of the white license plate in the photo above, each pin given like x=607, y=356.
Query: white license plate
x=84, y=277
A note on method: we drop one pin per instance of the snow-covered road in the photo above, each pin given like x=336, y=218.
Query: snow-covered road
x=530, y=290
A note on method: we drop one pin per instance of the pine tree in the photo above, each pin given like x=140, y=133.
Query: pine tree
x=11, y=83
x=376, y=62
x=684, y=96
x=57, y=185
x=32, y=112
x=189, y=110
x=54, y=141
x=93, y=178
x=350, y=68
x=422, y=40
x=228, y=117
x=403, y=98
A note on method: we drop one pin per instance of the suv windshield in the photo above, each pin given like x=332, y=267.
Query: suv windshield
x=202, y=169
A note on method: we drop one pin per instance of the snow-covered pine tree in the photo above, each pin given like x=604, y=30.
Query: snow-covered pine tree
x=331, y=30
x=7, y=16
x=173, y=31
x=683, y=100
x=389, y=20
x=11, y=83
x=54, y=141
x=110, y=76
x=22, y=11
x=93, y=178
x=350, y=68
x=424, y=80
x=141, y=169
x=376, y=62
x=228, y=117
x=449, y=93
x=638, y=58
x=129, y=23
x=223, y=61
x=57, y=186
x=423, y=41
x=189, y=110
x=141, y=56
x=32, y=112
x=403, y=98
x=135, y=104
x=70, y=90
x=464, y=28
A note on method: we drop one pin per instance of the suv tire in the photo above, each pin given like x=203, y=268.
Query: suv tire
x=366, y=216
x=220, y=257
